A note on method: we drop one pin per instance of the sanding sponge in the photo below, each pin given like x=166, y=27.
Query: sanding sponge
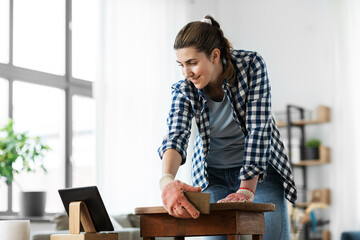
x=201, y=201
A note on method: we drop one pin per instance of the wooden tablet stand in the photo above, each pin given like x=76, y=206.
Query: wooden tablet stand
x=79, y=215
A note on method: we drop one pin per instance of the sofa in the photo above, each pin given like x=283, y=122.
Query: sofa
x=126, y=225
x=350, y=235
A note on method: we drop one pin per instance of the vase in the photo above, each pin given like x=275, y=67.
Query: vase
x=311, y=153
x=32, y=204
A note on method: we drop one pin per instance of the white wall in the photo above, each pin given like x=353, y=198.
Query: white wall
x=297, y=40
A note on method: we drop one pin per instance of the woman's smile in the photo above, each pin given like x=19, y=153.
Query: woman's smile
x=194, y=79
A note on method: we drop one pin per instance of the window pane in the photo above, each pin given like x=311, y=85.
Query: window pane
x=39, y=35
x=83, y=155
x=40, y=111
x=85, y=34
x=4, y=101
x=3, y=196
x=4, y=115
x=4, y=31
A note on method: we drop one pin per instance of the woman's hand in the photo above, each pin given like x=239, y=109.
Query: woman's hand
x=235, y=197
x=176, y=203
x=242, y=195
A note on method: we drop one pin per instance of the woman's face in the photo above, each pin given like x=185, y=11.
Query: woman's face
x=197, y=67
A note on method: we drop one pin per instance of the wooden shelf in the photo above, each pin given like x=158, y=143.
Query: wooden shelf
x=322, y=116
x=324, y=153
x=281, y=124
x=309, y=163
x=308, y=122
x=301, y=205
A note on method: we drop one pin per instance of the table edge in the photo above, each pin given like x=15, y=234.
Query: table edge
x=242, y=206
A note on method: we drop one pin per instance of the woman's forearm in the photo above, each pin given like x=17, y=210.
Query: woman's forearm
x=171, y=162
x=250, y=184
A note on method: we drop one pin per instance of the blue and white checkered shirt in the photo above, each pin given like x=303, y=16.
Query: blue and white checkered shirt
x=250, y=100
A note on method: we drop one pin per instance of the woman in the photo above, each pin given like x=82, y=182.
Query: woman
x=238, y=153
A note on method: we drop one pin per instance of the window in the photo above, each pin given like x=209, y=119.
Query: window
x=39, y=36
x=29, y=116
x=4, y=89
x=4, y=103
x=4, y=31
x=83, y=156
x=46, y=76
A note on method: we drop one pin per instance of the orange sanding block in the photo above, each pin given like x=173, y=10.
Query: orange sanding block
x=201, y=201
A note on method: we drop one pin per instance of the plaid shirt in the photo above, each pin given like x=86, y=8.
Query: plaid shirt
x=250, y=100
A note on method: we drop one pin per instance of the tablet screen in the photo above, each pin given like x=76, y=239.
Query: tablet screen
x=91, y=196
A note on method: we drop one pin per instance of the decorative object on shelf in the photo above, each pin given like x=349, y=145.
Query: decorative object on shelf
x=20, y=152
x=324, y=158
x=316, y=196
x=311, y=150
x=320, y=196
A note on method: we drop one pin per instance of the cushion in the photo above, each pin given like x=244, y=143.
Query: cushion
x=135, y=220
x=61, y=221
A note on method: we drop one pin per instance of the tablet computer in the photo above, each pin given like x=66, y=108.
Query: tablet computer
x=91, y=196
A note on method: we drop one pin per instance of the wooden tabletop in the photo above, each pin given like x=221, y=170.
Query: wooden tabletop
x=242, y=206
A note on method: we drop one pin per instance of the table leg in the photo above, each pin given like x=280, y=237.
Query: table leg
x=257, y=237
x=179, y=238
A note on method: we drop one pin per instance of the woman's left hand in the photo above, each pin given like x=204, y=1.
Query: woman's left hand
x=242, y=195
x=236, y=197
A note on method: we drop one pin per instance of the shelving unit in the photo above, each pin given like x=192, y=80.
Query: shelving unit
x=322, y=116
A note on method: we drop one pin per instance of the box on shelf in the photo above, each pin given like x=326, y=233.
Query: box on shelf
x=320, y=195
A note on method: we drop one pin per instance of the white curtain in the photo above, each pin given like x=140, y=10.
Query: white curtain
x=346, y=152
x=132, y=95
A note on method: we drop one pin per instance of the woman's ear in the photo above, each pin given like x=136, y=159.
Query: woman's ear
x=215, y=56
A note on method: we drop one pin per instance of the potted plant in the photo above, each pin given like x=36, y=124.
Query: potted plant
x=311, y=150
x=20, y=152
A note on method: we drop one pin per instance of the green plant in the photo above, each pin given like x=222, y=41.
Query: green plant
x=313, y=143
x=19, y=152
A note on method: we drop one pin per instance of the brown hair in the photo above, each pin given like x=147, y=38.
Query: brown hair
x=205, y=38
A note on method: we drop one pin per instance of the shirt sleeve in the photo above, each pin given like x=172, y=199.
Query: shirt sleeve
x=179, y=125
x=258, y=122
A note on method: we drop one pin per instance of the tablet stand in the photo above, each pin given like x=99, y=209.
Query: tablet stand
x=79, y=215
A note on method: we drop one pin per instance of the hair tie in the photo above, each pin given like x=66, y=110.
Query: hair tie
x=206, y=20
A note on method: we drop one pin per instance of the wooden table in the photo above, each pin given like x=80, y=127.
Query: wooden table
x=231, y=219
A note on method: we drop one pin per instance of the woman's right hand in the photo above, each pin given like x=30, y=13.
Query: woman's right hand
x=175, y=202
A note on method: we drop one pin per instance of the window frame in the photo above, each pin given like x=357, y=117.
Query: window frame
x=71, y=86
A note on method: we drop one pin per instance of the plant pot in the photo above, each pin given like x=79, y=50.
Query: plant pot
x=311, y=153
x=32, y=204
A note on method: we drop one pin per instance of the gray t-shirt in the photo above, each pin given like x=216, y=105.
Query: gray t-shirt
x=226, y=138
